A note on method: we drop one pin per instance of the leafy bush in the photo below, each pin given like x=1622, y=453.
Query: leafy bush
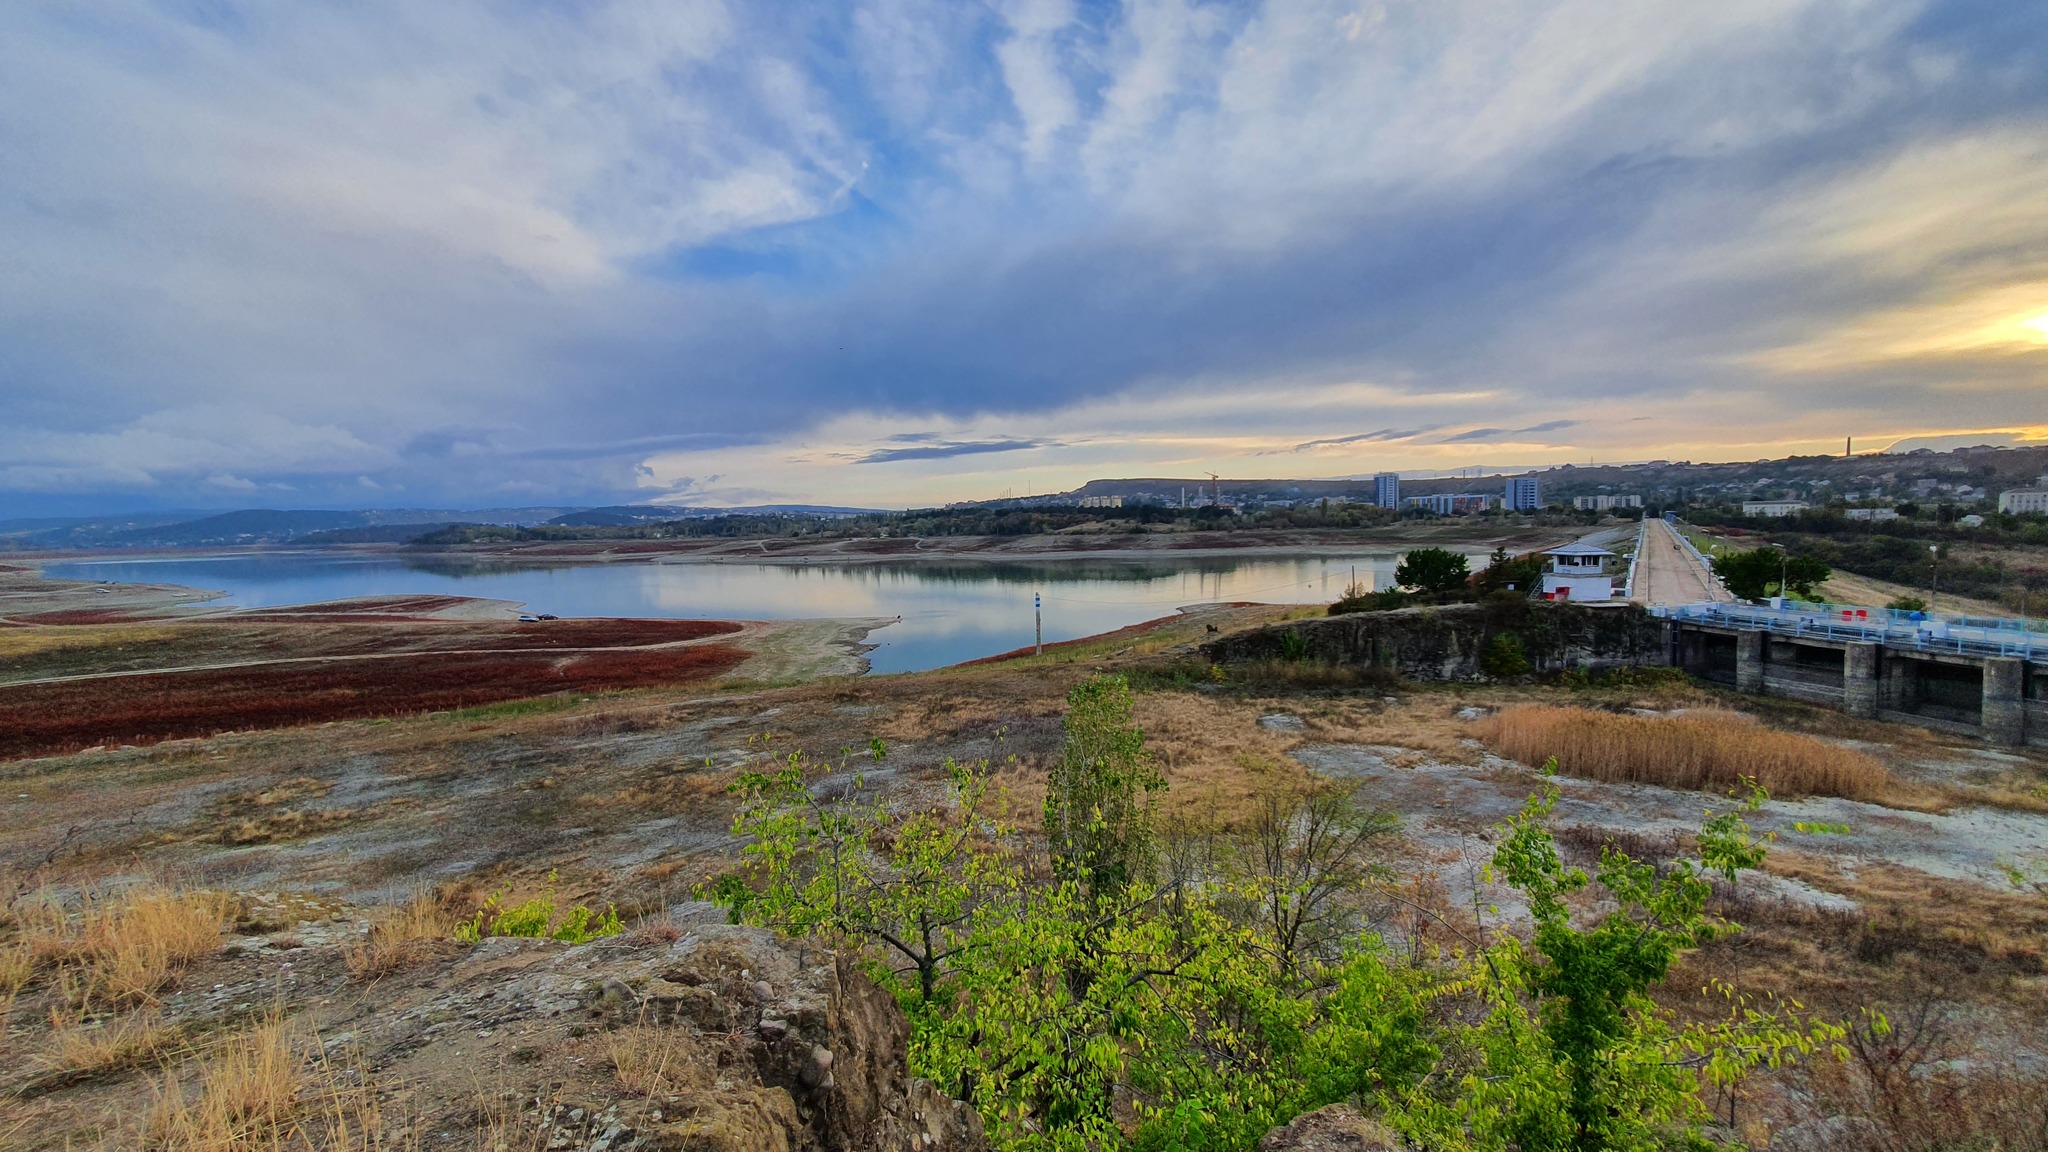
x=1293, y=648
x=1504, y=657
x=1435, y=570
x=536, y=919
x=1120, y=993
x=1359, y=600
x=1907, y=604
x=1506, y=573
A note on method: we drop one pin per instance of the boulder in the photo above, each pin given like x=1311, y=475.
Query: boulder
x=795, y=1051
x=1336, y=1128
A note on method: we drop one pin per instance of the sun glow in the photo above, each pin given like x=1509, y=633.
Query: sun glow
x=2039, y=325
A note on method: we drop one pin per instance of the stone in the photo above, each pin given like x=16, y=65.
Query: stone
x=1336, y=1128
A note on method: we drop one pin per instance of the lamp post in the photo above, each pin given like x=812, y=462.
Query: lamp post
x=1784, y=568
x=1933, y=577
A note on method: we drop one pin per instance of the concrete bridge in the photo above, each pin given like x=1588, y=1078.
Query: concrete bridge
x=1985, y=678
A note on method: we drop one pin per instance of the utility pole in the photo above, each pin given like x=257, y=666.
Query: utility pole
x=1037, y=625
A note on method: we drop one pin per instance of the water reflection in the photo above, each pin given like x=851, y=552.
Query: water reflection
x=951, y=610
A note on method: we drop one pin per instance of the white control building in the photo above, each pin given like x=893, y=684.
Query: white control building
x=1578, y=572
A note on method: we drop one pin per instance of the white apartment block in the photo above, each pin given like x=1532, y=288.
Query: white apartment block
x=1605, y=503
x=2021, y=501
x=1773, y=507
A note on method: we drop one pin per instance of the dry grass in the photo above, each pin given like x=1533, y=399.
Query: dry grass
x=649, y=1060
x=1213, y=752
x=116, y=951
x=17, y=968
x=407, y=935
x=1713, y=751
x=78, y=1050
x=268, y=1089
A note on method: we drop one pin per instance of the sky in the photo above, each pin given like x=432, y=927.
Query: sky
x=894, y=253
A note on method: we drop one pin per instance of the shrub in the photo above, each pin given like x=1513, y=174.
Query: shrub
x=536, y=919
x=1434, y=570
x=1711, y=751
x=1293, y=647
x=1504, y=657
x=1098, y=825
x=1907, y=604
x=1195, y=1012
x=1360, y=600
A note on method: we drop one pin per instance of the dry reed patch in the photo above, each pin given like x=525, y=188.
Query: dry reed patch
x=1711, y=751
x=120, y=951
x=269, y=1089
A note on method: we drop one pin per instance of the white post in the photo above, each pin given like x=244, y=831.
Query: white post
x=1037, y=625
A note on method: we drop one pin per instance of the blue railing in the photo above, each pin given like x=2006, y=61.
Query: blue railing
x=1889, y=627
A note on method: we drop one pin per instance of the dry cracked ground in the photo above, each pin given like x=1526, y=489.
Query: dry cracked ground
x=1934, y=910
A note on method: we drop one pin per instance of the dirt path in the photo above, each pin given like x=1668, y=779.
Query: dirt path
x=1666, y=572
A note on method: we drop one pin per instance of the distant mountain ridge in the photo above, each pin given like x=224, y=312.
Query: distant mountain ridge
x=1964, y=476
x=315, y=526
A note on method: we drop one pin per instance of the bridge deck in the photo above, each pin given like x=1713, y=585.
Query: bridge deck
x=1668, y=571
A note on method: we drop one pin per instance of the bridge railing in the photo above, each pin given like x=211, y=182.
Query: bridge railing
x=1892, y=629
x=1697, y=556
x=1635, y=560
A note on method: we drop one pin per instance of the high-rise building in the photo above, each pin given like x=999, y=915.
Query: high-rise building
x=1524, y=494
x=1386, y=489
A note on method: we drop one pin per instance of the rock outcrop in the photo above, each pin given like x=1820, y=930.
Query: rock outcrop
x=778, y=1046
x=1336, y=1128
x=1449, y=643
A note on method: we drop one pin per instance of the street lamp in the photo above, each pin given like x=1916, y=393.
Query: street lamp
x=1784, y=566
x=1933, y=577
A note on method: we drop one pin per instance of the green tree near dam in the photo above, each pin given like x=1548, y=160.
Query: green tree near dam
x=1757, y=573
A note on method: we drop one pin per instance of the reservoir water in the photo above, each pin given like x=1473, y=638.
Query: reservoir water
x=951, y=611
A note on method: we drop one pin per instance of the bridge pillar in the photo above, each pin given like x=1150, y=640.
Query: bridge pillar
x=1749, y=662
x=2005, y=708
x=1859, y=679
x=1902, y=684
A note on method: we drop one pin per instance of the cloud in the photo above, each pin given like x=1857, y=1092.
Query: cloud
x=1384, y=435
x=468, y=248
x=1491, y=434
x=946, y=451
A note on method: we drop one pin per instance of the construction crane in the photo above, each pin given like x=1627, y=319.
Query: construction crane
x=1215, y=490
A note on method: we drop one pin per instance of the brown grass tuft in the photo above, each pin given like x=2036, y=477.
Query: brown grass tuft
x=79, y=1050
x=269, y=1089
x=649, y=1060
x=115, y=951
x=1709, y=750
x=409, y=934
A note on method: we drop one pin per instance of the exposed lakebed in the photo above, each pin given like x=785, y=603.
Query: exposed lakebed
x=949, y=612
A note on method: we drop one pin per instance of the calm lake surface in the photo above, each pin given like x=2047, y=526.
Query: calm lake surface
x=950, y=612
